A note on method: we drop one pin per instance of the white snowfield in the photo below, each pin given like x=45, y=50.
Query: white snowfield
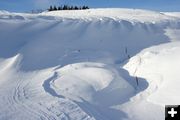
x=83, y=65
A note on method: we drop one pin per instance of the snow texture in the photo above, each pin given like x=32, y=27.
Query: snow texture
x=84, y=64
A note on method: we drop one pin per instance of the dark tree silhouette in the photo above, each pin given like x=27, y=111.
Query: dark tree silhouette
x=55, y=8
x=60, y=8
x=84, y=7
x=87, y=7
x=51, y=8
x=76, y=8
x=66, y=7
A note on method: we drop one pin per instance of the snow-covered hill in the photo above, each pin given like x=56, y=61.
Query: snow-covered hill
x=83, y=65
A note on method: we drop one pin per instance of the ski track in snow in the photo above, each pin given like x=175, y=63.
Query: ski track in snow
x=20, y=101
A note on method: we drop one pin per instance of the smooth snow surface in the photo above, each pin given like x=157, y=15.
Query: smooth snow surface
x=83, y=65
x=163, y=78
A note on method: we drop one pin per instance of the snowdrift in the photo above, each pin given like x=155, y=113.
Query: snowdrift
x=159, y=66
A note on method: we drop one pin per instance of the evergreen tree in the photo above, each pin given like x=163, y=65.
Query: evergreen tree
x=55, y=8
x=76, y=8
x=60, y=8
x=50, y=9
x=84, y=7
x=65, y=7
x=87, y=7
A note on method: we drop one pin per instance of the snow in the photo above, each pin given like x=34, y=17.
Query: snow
x=174, y=14
x=74, y=65
x=114, y=13
x=95, y=80
x=161, y=76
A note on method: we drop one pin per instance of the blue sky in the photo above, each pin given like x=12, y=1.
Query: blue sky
x=28, y=5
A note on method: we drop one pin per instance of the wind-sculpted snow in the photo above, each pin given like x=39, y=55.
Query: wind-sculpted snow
x=95, y=80
x=76, y=40
x=160, y=67
x=166, y=58
x=83, y=65
x=86, y=84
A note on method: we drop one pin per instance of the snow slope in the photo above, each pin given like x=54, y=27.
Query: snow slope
x=174, y=14
x=114, y=13
x=162, y=76
x=74, y=65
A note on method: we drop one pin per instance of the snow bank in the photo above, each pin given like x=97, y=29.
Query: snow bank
x=159, y=66
x=60, y=42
